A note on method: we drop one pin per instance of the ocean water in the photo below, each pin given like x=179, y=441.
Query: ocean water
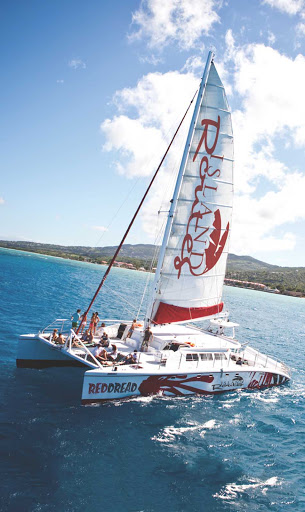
x=241, y=451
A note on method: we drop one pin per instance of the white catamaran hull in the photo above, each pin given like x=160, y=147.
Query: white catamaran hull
x=35, y=352
x=98, y=387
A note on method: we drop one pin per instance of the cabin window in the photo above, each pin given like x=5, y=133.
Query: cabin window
x=192, y=357
x=206, y=357
x=220, y=357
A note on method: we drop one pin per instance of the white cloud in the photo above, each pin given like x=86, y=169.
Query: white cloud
x=152, y=112
x=157, y=104
x=183, y=21
x=77, y=64
x=2, y=200
x=289, y=6
x=99, y=228
x=300, y=28
x=150, y=59
x=194, y=64
x=255, y=220
x=271, y=37
x=59, y=81
x=269, y=117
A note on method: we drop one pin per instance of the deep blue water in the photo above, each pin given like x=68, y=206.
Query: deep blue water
x=243, y=451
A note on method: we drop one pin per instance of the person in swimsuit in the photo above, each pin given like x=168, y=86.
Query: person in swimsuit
x=83, y=323
x=91, y=325
x=54, y=335
x=132, y=328
x=60, y=340
x=95, y=322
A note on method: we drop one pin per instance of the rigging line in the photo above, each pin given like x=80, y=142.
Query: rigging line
x=118, y=210
x=148, y=280
x=135, y=215
x=122, y=298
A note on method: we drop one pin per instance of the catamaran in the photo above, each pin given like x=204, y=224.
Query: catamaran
x=171, y=355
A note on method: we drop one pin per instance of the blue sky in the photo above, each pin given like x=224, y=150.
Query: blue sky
x=92, y=91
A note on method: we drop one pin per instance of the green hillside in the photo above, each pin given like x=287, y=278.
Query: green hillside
x=289, y=280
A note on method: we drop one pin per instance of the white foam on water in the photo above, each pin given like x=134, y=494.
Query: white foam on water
x=267, y=400
x=236, y=420
x=170, y=433
x=232, y=491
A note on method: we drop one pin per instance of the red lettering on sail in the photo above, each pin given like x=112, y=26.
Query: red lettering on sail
x=203, y=245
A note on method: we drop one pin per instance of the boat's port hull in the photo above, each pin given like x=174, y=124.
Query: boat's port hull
x=100, y=386
x=34, y=353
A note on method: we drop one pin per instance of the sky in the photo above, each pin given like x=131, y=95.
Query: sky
x=92, y=92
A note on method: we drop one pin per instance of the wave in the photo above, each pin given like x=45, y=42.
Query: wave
x=170, y=433
x=234, y=490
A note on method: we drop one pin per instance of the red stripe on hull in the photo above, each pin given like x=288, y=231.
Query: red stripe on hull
x=167, y=313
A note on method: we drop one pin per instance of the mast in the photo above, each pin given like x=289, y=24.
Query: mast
x=134, y=217
x=178, y=182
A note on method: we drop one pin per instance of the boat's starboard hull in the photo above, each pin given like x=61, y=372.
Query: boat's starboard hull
x=100, y=386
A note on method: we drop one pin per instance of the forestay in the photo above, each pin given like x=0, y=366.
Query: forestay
x=193, y=269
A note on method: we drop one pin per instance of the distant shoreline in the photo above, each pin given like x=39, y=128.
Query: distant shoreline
x=66, y=258
x=242, y=271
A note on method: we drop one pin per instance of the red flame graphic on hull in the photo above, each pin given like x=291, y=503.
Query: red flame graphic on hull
x=266, y=380
x=155, y=384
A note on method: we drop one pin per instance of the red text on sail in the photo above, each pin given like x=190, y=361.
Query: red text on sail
x=203, y=244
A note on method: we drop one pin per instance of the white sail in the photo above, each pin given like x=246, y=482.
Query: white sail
x=192, y=270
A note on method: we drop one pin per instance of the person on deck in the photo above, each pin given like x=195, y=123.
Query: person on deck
x=147, y=338
x=102, y=329
x=91, y=325
x=113, y=354
x=83, y=323
x=95, y=322
x=75, y=318
x=60, y=340
x=105, y=340
x=132, y=328
x=239, y=361
x=100, y=353
x=87, y=337
x=54, y=335
x=132, y=358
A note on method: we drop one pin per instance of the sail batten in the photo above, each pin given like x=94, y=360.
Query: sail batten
x=194, y=253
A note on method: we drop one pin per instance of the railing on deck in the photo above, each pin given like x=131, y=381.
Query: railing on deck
x=58, y=324
x=74, y=338
x=250, y=356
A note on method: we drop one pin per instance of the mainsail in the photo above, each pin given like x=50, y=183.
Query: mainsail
x=192, y=262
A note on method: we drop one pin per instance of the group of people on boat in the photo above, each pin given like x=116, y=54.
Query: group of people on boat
x=57, y=338
x=101, y=354
x=82, y=318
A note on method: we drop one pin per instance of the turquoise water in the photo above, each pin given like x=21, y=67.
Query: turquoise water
x=243, y=451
